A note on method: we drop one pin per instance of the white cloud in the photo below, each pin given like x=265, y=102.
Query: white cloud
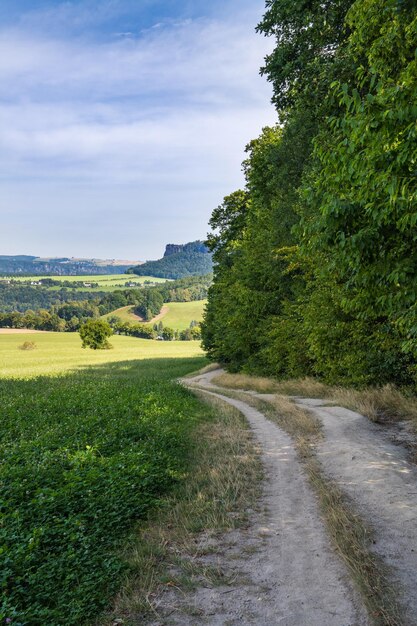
x=169, y=109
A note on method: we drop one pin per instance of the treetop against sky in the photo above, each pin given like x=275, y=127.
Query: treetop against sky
x=123, y=123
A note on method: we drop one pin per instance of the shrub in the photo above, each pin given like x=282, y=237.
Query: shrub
x=28, y=345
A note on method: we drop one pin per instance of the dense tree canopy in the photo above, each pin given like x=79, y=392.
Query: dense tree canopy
x=315, y=260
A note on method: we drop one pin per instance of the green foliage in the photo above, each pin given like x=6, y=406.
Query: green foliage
x=94, y=334
x=365, y=188
x=151, y=304
x=18, y=297
x=168, y=333
x=90, y=455
x=309, y=36
x=315, y=261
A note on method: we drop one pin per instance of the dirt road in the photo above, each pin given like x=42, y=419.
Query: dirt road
x=376, y=474
x=284, y=568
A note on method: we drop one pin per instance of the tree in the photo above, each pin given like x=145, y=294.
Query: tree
x=168, y=333
x=94, y=334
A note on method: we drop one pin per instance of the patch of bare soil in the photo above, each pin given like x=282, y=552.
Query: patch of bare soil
x=20, y=331
x=281, y=569
x=160, y=315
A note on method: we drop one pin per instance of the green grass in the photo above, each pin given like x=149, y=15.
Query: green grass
x=85, y=455
x=125, y=313
x=180, y=314
x=106, y=282
x=58, y=352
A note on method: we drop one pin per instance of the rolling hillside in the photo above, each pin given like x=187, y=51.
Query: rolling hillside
x=176, y=315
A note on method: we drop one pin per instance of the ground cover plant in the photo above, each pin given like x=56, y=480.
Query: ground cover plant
x=168, y=550
x=87, y=457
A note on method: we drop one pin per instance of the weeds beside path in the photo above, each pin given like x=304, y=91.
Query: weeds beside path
x=281, y=568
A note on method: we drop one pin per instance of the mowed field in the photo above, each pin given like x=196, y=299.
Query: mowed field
x=180, y=314
x=58, y=352
x=106, y=282
x=176, y=315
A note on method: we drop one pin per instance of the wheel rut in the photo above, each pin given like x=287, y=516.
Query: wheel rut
x=285, y=570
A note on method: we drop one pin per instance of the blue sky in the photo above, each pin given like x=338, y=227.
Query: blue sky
x=123, y=123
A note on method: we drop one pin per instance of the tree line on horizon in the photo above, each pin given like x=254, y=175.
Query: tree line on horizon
x=315, y=260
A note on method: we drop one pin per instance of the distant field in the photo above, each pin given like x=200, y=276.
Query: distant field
x=125, y=313
x=178, y=315
x=106, y=282
x=59, y=352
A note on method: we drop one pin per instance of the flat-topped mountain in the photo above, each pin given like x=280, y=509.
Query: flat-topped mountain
x=179, y=260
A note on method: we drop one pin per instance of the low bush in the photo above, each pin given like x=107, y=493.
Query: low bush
x=28, y=345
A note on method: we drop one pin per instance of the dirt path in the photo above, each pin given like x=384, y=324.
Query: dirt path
x=160, y=315
x=383, y=484
x=284, y=569
x=20, y=331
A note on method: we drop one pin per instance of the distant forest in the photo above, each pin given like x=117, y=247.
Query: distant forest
x=191, y=259
x=64, y=310
x=315, y=260
x=34, y=266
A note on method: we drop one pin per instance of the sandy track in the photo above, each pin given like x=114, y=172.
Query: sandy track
x=285, y=570
x=376, y=474
x=164, y=310
x=20, y=331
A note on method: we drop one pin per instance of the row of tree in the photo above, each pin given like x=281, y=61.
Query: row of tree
x=70, y=316
x=316, y=259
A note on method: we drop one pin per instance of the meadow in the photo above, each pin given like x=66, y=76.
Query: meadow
x=180, y=314
x=177, y=315
x=106, y=282
x=58, y=352
x=90, y=441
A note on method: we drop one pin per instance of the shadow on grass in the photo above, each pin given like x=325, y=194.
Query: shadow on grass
x=85, y=455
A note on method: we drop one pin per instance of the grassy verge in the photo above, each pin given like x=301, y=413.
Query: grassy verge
x=382, y=404
x=304, y=387
x=89, y=455
x=350, y=535
x=222, y=483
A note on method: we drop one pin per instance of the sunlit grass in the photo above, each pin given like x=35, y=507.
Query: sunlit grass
x=58, y=352
x=180, y=314
x=106, y=282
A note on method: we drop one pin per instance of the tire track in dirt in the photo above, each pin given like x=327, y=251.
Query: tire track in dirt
x=381, y=482
x=285, y=569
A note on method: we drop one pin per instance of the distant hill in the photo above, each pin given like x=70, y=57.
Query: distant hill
x=64, y=266
x=179, y=260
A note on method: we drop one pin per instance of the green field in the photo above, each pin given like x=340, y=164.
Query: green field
x=125, y=313
x=106, y=282
x=90, y=442
x=178, y=316
x=58, y=352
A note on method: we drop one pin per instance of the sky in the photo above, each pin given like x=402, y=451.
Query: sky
x=123, y=123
